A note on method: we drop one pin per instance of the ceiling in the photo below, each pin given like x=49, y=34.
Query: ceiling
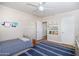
x=50, y=8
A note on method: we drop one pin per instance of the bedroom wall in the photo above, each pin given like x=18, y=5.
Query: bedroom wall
x=77, y=25
x=56, y=19
x=26, y=24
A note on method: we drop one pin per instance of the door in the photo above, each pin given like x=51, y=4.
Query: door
x=67, y=30
x=44, y=28
x=39, y=30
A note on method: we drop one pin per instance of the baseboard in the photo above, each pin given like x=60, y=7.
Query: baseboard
x=62, y=44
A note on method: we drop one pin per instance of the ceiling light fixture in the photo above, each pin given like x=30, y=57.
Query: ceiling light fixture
x=41, y=8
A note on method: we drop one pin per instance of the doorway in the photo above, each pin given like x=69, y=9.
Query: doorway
x=41, y=30
x=44, y=30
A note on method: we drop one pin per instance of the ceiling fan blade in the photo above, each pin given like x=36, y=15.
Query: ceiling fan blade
x=31, y=5
x=42, y=3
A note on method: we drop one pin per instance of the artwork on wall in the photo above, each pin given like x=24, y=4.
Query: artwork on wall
x=9, y=24
x=53, y=29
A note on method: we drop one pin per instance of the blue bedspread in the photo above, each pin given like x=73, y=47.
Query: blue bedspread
x=11, y=47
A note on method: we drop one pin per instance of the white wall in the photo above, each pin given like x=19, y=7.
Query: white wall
x=56, y=19
x=26, y=26
x=27, y=23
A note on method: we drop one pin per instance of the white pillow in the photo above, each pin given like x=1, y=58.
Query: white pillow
x=24, y=39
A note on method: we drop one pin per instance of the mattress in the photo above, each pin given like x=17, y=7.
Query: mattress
x=11, y=47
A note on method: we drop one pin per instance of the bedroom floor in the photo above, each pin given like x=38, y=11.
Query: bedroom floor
x=48, y=49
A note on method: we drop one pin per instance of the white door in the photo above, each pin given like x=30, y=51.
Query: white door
x=67, y=30
x=39, y=30
x=44, y=28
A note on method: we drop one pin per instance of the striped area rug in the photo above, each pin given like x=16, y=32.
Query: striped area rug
x=47, y=49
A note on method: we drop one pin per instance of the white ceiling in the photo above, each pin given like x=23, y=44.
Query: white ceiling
x=51, y=8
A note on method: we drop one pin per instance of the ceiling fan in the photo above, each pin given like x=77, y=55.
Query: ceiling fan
x=39, y=6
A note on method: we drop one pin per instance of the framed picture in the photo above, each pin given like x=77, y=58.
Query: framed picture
x=9, y=24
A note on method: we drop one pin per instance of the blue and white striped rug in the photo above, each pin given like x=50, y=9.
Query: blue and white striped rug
x=47, y=49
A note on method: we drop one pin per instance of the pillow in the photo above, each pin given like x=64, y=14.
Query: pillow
x=24, y=39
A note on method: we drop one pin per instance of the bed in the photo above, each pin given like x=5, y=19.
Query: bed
x=10, y=47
